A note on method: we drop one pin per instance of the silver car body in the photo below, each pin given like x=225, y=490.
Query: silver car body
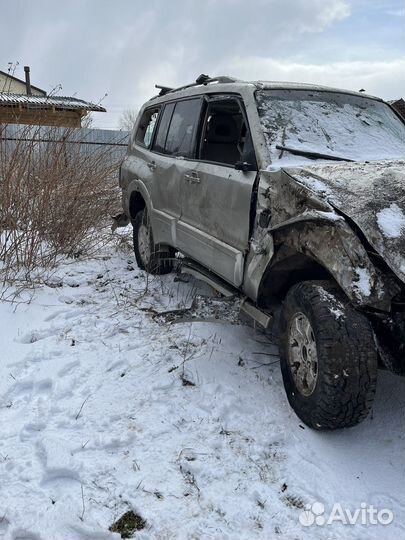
x=255, y=229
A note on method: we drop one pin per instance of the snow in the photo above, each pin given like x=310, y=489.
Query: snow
x=363, y=285
x=315, y=184
x=391, y=221
x=335, y=306
x=330, y=216
x=350, y=127
x=110, y=403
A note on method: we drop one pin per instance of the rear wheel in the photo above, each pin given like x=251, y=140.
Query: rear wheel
x=153, y=258
x=328, y=357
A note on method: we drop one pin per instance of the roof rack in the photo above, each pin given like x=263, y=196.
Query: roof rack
x=163, y=89
x=201, y=80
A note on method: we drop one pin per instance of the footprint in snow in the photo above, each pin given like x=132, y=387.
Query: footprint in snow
x=69, y=368
x=57, y=459
x=36, y=335
x=24, y=534
x=31, y=430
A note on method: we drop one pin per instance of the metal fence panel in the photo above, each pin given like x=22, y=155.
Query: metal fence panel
x=87, y=140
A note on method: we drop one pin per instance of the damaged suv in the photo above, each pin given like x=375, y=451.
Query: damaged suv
x=291, y=195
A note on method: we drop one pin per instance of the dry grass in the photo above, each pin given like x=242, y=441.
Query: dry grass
x=56, y=198
x=128, y=524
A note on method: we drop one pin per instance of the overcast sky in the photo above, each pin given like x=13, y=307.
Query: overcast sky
x=124, y=47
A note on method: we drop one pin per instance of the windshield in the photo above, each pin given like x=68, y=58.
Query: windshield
x=328, y=123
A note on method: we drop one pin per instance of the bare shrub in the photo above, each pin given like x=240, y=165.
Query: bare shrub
x=56, y=195
x=127, y=119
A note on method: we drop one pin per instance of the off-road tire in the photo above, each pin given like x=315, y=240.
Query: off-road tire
x=160, y=259
x=346, y=357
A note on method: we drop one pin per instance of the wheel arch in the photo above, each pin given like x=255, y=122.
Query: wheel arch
x=332, y=251
x=287, y=269
x=138, y=197
x=136, y=203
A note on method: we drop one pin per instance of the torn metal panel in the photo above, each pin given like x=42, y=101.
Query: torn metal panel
x=339, y=251
x=372, y=195
x=306, y=222
x=306, y=216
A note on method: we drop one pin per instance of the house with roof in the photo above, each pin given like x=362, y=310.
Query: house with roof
x=23, y=103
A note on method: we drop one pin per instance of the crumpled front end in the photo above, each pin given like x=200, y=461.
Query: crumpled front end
x=300, y=221
x=371, y=195
x=309, y=219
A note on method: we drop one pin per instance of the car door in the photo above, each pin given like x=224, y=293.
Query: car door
x=171, y=162
x=216, y=197
x=148, y=171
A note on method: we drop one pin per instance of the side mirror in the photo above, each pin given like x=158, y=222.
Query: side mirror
x=244, y=166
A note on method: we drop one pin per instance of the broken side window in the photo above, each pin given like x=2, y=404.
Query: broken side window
x=226, y=138
x=161, y=135
x=146, y=126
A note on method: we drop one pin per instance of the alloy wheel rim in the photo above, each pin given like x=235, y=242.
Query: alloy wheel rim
x=303, y=357
x=144, y=243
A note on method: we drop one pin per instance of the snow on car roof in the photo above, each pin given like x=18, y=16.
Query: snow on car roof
x=281, y=85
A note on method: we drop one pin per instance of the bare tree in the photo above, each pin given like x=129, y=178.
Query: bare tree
x=127, y=119
x=87, y=120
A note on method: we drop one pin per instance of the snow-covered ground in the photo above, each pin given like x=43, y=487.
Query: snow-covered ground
x=108, y=406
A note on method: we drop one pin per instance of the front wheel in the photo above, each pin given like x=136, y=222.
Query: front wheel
x=328, y=357
x=149, y=256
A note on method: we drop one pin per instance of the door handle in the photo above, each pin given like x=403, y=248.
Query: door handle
x=151, y=165
x=193, y=178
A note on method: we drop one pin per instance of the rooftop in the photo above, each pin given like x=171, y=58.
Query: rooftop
x=13, y=78
x=48, y=102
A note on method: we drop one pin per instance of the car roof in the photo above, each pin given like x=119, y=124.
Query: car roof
x=279, y=85
x=225, y=84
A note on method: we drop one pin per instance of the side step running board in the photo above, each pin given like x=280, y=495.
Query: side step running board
x=199, y=272
x=247, y=308
x=263, y=318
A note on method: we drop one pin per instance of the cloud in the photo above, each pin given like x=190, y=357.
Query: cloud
x=318, y=14
x=385, y=79
x=396, y=12
x=186, y=38
x=124, y=48
x=279, y=18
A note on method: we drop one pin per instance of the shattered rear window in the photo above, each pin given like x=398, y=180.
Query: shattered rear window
x=350, y=127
